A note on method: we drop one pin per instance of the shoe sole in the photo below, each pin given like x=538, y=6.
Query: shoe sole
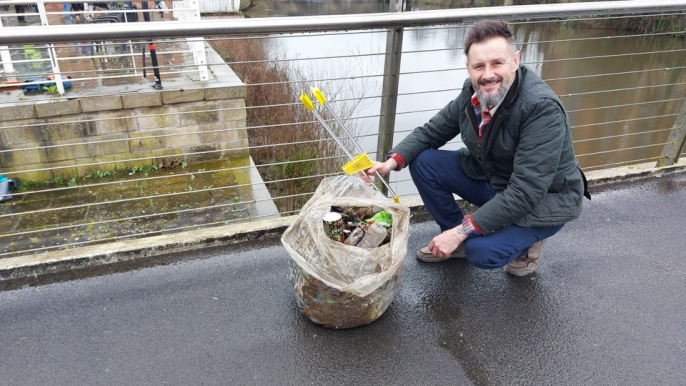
x=436, y=259
x=519, y=274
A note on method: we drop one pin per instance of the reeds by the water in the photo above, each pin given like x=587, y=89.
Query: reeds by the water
x=281, y=131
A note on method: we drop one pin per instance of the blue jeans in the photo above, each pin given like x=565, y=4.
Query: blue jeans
x=437, y=175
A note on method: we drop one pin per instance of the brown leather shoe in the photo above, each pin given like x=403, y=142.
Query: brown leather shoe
x=527, y=263
x=424, y=254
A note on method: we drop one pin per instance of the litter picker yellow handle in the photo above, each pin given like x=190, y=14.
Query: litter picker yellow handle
x=358, y=164
x=319, y=95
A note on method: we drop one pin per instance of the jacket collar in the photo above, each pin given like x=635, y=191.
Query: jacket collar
x=514, y=89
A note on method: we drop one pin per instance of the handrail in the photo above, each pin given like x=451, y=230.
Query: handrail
x=609, y=144
x=298, y=24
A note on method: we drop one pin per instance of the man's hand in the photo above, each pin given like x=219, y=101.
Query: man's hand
x=382, y=167
x=447, y=242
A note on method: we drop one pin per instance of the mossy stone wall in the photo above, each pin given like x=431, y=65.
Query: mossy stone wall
x=78, y=136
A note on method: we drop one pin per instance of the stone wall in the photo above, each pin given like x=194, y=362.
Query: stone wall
x=120, y=131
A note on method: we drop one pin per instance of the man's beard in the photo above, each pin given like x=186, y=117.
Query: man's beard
x=492, y=100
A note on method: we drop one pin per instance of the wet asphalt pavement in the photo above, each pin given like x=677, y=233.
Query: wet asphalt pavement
x=607, y=307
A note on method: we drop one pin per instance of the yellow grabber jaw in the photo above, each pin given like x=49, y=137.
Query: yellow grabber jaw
x=306, y=101
x=319, y=95
x=360, y=163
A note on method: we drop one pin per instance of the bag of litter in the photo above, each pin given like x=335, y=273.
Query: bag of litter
x=338, y=285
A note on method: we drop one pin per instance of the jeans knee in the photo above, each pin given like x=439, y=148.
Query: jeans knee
x=418, y=167
x=486, y=261
x=414, y=165
x=485, y=257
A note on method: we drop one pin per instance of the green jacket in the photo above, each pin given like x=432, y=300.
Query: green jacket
x=526, y=154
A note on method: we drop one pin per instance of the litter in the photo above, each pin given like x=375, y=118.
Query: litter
x=7, y=185
x=339, y=285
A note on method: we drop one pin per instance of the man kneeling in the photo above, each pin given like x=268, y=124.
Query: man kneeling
x=518, y=164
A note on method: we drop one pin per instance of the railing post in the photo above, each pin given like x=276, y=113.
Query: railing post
x=675, y=142
x=197, y=45
x=52, y=53
x=389, y=90
x=6, y=59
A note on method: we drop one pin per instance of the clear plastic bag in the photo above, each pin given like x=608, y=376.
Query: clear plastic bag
x=338, y=285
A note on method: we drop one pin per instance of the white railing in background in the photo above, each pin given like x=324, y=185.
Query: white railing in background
x=97, y=15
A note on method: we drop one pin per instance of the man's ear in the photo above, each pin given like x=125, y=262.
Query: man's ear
x=517, y=57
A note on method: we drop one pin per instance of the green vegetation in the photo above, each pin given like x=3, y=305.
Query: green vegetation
x=74, y=181
x=51, y=90
x=145, y=168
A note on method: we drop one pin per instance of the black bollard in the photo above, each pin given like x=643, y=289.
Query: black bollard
x=155, y=69
x=146, y=15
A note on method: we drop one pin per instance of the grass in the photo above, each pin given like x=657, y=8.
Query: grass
x=27, y=185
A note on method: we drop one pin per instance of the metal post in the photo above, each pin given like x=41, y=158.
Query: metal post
x=675, y=142
x=389, y=95
x=146, y=15
x=52, y=53
x=395, y=5
x=155, y=68
x=6, y=59
x=197, y=45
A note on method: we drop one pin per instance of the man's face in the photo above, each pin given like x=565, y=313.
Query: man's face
x=492, y=66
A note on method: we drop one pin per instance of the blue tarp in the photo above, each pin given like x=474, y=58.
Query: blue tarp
x=45, y=83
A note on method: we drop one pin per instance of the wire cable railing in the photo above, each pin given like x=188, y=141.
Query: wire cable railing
x=117, y=158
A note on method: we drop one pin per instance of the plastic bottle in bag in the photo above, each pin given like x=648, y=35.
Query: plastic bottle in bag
x=374, y=236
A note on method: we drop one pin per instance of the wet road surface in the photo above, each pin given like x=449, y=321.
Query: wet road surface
x=606, y=307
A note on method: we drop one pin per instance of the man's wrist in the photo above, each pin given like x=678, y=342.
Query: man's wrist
x=399, y=160
x=470, y=227
x=462, y=233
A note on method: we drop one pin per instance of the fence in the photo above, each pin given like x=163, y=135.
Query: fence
x=117, y=61
x=384, y=74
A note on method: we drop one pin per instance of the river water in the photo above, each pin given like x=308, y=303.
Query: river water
x=622, y=91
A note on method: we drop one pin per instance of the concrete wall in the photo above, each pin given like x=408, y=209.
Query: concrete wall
x=121, y=131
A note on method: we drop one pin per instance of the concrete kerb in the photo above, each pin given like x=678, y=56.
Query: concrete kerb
x=45, y=263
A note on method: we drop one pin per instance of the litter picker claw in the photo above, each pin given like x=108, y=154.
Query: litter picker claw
x=358, y=163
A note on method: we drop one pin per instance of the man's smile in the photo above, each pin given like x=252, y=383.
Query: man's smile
x=490, y=84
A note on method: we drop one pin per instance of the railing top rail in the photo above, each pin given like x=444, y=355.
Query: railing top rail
x=213, y=27
x=29, y=2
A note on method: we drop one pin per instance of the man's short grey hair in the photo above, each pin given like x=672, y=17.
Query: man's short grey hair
x=486, y=30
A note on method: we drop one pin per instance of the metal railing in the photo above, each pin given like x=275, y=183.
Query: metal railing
x=37, y=62
x=384, y=73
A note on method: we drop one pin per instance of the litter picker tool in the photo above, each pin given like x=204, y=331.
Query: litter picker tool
x=358, y=163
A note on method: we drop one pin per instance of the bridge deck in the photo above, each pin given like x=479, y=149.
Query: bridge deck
x=605, y=308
